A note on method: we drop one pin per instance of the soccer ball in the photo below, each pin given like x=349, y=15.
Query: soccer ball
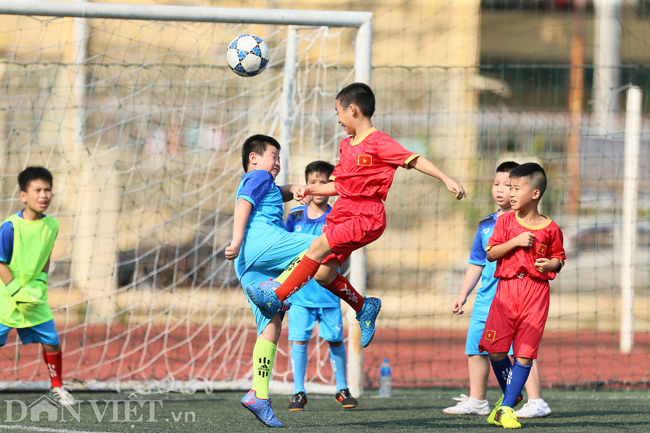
x=247, y=55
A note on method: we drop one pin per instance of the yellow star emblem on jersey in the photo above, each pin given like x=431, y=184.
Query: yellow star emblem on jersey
x=269, y=304
x=364, y=160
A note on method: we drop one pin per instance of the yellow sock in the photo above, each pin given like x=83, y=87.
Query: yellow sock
x=283, y=276
x=263, y=357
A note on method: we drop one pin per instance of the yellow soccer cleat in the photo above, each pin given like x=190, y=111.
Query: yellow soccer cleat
x=497, y=405
x=506, y=418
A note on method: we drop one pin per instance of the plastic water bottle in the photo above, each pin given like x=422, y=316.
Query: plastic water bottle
x=384, y=379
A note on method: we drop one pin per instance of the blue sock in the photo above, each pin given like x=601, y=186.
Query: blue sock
x=501, y=371
x=337, y=358
x=518, y=377
x=298, y=366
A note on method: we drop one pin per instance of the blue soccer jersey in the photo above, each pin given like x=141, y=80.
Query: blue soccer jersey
x=312, y=295
x=265, y=225
x=478, y=257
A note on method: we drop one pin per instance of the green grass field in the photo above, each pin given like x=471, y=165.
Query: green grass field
x=407, y=411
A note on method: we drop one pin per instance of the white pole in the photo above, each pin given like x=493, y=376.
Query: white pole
x=628, y=236
x=184, y=13
x=362, y=68
x=286, y=103
x=606, y=58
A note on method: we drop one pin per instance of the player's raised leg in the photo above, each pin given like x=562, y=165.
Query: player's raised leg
x=327, y=276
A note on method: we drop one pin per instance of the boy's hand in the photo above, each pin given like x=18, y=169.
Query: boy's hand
x=455, y=188
x=301, y=194
x=525, y=239
x=232, y=250
x=544, y=265
x=457, y=306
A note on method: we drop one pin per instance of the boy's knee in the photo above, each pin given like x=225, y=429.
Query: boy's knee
x=319, y=248
x=335, y=343
x=524, y=361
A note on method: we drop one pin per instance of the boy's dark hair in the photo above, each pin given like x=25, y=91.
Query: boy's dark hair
x=34, y=173
x=507, y=167
x=359, y=94
x=534, y=173
x=257, y=144
x=323, y=167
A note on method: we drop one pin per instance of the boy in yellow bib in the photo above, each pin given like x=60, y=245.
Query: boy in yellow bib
x=26, y=242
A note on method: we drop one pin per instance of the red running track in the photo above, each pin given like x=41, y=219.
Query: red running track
x=421, y=358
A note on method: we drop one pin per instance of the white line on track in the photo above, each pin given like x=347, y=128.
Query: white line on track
x=43, y=429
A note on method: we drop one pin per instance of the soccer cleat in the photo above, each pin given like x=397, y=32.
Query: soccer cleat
x=465, y=407
x=261, y=408
x=506, y=418
x=270, y=286
x=497, y=405
x=534, y=409
x=367, y=317
x=266, y=301
x=298, y=402
x=345, y=398
x=62, y=396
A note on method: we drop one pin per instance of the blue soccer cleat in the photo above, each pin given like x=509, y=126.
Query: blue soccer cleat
x=261, y=408
x=266, y=301
x=367, y=317
x=270, y=286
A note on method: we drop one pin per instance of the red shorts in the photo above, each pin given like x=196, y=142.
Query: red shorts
x=517, y=315
x=352, y=224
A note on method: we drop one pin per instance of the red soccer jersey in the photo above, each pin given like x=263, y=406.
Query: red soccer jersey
x=367, y=165
x=547, y=243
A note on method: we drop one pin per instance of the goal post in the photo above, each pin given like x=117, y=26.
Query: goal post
x=101, y=199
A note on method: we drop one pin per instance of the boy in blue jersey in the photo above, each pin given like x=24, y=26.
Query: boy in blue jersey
x=479, y=268
x=262, y=249
x=26, y=242
x=315, y=304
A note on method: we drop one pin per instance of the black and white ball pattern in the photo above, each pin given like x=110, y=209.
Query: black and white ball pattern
x=247, y=55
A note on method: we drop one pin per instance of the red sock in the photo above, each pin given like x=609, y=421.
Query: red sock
x=342, y=288
x=300, y=276
x=54, y=362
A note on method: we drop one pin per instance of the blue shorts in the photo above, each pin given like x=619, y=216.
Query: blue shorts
x=44, y=333
x=270, y=265
x=303, y=319
x=474, y=334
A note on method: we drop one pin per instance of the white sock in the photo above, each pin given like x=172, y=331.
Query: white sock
x=539, y=401
x=477, y=403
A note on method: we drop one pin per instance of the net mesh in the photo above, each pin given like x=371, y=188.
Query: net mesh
x=144, y=142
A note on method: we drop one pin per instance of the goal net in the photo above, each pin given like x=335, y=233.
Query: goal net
x=141, y=122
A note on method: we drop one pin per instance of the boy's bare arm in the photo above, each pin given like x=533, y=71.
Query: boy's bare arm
x=472, y=276
x=296, y=192
x=524, y=240
x=544, y=265
x=242, y=212
x=5, y=274
x=425, y=166
x=327, y=189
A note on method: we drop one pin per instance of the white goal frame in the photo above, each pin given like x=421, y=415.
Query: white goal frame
x=82, y=11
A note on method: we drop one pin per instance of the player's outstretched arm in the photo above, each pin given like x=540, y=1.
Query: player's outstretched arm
x=472, y=276
x=327, y=189
x=524, y=240
x=242, y=212
x=425, y=166
x=296, y=192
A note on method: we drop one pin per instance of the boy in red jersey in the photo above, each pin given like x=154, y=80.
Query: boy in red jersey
x=529, y=253
x=363, y=176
